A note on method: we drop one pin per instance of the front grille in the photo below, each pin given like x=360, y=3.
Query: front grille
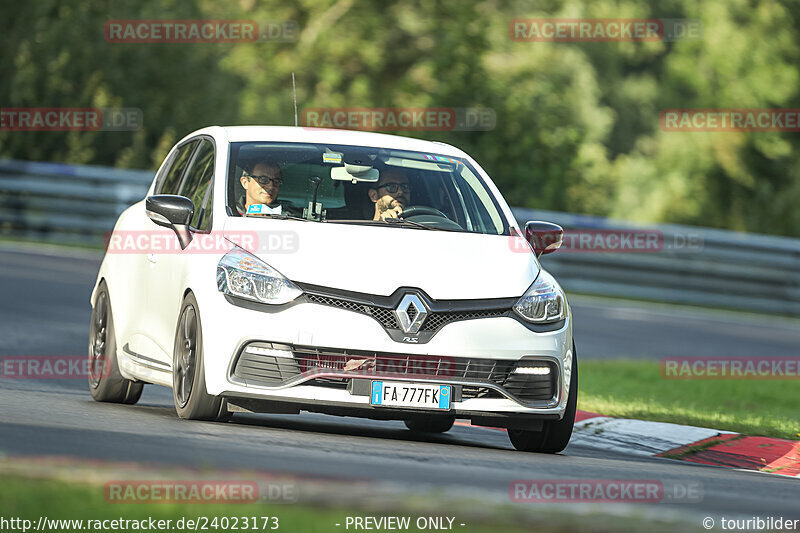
x=384, y=316
x=268, y=370
x=433, y=322
x=337, y=302
x=436, y=320
x=361, y=363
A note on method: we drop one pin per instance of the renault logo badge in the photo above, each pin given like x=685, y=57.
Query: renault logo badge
x=411, y=313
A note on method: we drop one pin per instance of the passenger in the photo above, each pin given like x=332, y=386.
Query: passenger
x=262, y=185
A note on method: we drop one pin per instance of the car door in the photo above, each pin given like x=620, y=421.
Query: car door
x=168, y=268
x=142, y=346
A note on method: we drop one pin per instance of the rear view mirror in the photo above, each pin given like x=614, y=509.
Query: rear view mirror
x=545, y=237
x=172, y=211
x=354, y=173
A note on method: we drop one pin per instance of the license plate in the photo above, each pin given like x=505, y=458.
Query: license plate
x=397, y=394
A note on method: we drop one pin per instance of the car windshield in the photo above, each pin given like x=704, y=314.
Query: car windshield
x=359, y=185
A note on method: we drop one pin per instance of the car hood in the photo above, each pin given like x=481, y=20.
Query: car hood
x=378, y=260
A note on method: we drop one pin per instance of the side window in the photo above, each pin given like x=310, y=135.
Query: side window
x=165, y=168
x=204, y=218
x=179, y=162
x=198, y=182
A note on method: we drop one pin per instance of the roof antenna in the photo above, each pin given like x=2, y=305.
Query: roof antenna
x=294, y=93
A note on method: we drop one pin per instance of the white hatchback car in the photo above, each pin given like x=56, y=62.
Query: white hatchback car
x=380, y=276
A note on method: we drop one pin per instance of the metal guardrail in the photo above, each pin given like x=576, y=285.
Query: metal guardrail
x=65, y=203
x=79, y=204
x=696, y=266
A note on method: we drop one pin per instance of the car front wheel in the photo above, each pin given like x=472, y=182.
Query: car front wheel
x=555, y=434
x=188, y=373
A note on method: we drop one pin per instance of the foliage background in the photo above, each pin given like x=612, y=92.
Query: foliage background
x=577, y=123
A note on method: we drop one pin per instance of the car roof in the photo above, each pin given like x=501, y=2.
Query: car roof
x=328, y=136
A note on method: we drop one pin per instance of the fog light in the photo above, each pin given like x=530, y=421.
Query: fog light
x=274, y=350
x=535, y=370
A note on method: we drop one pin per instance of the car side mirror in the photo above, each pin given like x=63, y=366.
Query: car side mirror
x=172, y=211
x=545, y=237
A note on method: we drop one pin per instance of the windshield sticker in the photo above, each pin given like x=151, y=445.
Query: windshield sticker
x=332, y=157
x=442, y=159
x=263, y=209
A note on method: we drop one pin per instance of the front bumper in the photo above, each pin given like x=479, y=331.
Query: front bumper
x=309, y=327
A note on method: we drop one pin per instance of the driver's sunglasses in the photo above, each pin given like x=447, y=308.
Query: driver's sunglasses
x=393, y=187
x=264, y=180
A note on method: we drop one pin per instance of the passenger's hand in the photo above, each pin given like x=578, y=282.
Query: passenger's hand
x=392, y=213
x=390, y=209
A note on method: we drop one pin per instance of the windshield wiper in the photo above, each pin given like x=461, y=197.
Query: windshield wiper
x=394, y=222
x=405, y=222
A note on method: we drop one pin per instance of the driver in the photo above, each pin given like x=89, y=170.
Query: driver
x=390, y=194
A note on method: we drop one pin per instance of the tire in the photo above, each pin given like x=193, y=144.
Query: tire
x=192, y=402
x=555, y=434
x=106, y=384
x=434, y=424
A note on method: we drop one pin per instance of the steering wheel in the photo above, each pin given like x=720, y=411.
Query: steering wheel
x=422, y=210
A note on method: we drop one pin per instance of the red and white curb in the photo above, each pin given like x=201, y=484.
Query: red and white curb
x=687, y=443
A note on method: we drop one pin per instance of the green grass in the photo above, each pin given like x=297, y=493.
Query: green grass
x=636, y=389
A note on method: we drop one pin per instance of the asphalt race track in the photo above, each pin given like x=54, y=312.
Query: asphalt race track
x=44, y=310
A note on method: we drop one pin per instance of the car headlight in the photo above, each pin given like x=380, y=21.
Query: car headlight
x=543, y=302
x=244, y=275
